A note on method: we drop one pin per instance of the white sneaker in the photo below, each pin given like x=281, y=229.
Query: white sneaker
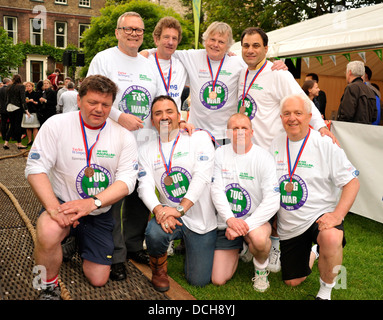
x=315, y=250
x=171, y=248
x=260, y=281
x=245, y=254
x=274, y=260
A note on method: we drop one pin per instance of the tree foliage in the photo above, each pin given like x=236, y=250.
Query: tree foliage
x=268, y=14
x=101, y=34
x=11, y=55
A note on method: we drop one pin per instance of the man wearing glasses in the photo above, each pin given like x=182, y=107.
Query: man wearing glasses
x=138, y=84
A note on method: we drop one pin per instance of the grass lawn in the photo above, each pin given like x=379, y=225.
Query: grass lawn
x=360, y=278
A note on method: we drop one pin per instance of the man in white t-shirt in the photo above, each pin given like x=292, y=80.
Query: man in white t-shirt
x=68, y=99
x=313, y=173
x=180, y=167
x=138, y=84
x=245, y=194
x=77, y=179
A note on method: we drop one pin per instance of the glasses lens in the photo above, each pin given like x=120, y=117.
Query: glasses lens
x=129, y=30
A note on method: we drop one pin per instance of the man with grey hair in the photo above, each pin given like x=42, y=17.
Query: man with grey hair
x=318, y=186
x=358, y=103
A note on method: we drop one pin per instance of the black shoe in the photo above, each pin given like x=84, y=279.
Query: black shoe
x=6, y=147
x=22, y=147
x=118, y=272
x=29, y=143
x=139, y=256
x=69, y=248
x=50, y=293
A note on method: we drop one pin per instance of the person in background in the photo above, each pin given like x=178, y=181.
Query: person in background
x=32, y=100
x=312, y=90
x=321, y=100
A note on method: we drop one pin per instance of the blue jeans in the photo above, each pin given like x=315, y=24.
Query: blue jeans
x=199, y=249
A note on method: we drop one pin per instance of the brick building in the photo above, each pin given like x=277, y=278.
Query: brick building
x=57, y=22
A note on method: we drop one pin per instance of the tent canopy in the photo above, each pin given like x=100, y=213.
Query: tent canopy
x=331, y=34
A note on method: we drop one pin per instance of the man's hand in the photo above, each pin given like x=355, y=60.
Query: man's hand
x=239, y=226
x=77, y=208
x=130, y=122
x=328, y=221
x=279, y=65
x=324, y=131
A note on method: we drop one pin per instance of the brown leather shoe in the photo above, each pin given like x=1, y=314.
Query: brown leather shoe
x=159, y=266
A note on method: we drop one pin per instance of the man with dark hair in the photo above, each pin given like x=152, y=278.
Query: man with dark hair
x=180, y=167
x=77, y=179
x=367, y=80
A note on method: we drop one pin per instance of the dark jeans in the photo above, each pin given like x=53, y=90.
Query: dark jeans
x=15, y=118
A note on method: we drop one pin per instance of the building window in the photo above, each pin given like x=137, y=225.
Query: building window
x=81, y=29
x=10, y=25
x=84, y=3
x=60, y=34
x=60, y=1
x=36, y=34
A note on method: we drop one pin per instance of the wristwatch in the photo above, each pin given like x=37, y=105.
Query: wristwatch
x=180, y=209
x=97, y=202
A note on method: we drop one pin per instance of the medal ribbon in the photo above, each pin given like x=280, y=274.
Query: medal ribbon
x=298, y=156
x=88, y=151
x=210, y=135
x=211, y=71
x=167, y=86
x=251, y=83
x=168, y=166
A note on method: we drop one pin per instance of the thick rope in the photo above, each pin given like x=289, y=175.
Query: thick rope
x=65, y=295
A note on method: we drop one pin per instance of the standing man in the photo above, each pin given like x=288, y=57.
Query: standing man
x=3, y=108
x=358, y=103
x=138, y=83
x=68, y=100
x=180, y=167
x=77, y=183
x=313, y=172
x=245, y=193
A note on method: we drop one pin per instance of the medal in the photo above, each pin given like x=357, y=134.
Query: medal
x=213, y=93
x=242, y=109
x=289, y=187
x=168, y=180
x=244, y=95
x=167, y=86
x=89, y=171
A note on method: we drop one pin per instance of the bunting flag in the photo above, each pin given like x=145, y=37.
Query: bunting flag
x=363, y=56
x=379, y=53
x=197, y=19
x=307, y=61
x=320, y=59
x=347, y=56
x=294, y=60
x=333, y=59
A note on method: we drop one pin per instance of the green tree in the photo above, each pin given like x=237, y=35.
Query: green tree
x=268, y=14
x=11, y=55
x=101, y=36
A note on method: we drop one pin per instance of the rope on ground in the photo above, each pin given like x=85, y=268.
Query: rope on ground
x=65, y=295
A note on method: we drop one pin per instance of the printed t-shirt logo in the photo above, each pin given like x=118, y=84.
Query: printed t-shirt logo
x=87, y=187
x=238, y=199
x=181, y=181
x=219, y=101
x=250, y=106
x=136, y=100
x=295, y=199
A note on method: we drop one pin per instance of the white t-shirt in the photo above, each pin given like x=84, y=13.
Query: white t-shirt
x=206, y=113
x=245, y=186
x=263, y=102
x=177, y=78
x=322, y=170
x=60, y=153
x=68, y=101
x=191, y=170
x=138, y=84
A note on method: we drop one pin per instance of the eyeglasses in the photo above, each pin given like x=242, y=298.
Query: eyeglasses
x=129, y=30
